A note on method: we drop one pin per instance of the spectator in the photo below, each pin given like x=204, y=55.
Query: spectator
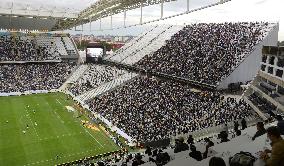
x=226, y=129
x=138, y=160
x=280, y=124
x=277, y=152
x=195, y=154
x=238, y=132
x=190, y=140
x=180, y=145
x=150, y=109
x=216, y=161
x=209, y=144
x=32, y=48
x=162, y=158
x=223, y=136
x=244, y=124
x=94, y=76
x=260, y=130
x=236, y=126
x=148, y=151
x=206, y=53
x=28, y=77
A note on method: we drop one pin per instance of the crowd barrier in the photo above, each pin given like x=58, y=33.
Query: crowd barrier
x=27, y=92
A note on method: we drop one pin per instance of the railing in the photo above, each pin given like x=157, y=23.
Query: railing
x=160, y=75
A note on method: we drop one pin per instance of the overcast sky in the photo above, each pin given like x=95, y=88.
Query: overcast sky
x=236, y=10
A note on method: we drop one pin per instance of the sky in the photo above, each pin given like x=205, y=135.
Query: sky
x=233, y=11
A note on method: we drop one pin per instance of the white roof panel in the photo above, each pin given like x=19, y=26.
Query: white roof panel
x=9, y=8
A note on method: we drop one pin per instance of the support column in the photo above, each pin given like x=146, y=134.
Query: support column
x=162, y=8
x=124, y=19
x=141, y=12
x=90, y=20
x=81, y=36
x=187, y=5
x=276, y=60
x=111, y=20
x=274, y=71
x=101, y=22
x=10, y=20
x=267, y=62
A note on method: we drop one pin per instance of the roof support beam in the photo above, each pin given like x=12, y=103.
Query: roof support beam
x=90, y=24
x=162, y=8
x=124, y=18
x=141, y=12
x=111, y=20
x=187, y=5
x=101, y=22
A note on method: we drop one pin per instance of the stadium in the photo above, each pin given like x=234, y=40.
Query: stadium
x=141, y=82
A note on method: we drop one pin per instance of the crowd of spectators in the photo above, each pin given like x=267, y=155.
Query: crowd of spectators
x=25, y=48
x=27, y=77
x=149, y=109
x=93, y=77
x=206, y=53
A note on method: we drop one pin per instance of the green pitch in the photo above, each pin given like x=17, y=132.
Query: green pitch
x=39, y=130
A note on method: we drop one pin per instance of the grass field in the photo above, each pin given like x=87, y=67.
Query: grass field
x=37, y=134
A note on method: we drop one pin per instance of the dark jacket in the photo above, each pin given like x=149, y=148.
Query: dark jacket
x=181, y=147
x=280, y=126
x=236, y=126
x=259, y=133
x=196, y=155
x=190, y=140
x=244, y=124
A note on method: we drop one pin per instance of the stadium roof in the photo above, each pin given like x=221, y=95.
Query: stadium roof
x=33, y=17
x=45, y=17
x=105, y=8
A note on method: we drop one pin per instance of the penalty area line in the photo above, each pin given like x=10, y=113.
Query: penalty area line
x=59, y=102
x=93, y=137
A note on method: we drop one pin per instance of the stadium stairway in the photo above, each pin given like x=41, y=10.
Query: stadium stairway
x=74, y=76
x=103, y=88
x=270, y=103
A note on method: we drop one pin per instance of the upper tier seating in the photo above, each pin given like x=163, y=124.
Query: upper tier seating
x=206, y=53
x=35, y=48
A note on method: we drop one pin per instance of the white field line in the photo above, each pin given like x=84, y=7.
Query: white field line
x=58, y=116
x=59, y=101
x=86, y=130
x=93, y=137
